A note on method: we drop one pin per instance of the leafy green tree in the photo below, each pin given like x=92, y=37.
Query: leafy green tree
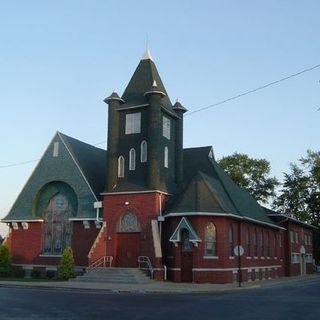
x=300, y=193
x=251, y=174
x=5, y=261
x=66, y=266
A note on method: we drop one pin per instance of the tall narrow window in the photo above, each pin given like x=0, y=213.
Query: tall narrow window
x=231, y=241
x=132, y=159
x=166, y=157
x=255, y=243
x=121, y=167
x=210, y=240
x=268, y=245
x=55, y=149
x=275, y=245
x=166, y=127
x=248, y=242
x=144, y=151
x=262, y=244
x=133, y=123
x=185, y=241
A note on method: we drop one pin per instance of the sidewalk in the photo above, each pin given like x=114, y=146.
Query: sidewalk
x=155, y=287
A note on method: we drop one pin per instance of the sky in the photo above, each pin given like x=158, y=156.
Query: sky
x=60, y=59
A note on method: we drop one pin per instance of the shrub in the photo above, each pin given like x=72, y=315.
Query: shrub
x=50, y=274
x=66, y=266
x=5, y=261
x=35, y=274
x=19, y=273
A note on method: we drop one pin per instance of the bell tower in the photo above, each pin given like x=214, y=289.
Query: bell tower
x=144, y=135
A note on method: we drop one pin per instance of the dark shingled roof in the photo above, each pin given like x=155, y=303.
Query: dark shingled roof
x=210, y=189
x=91, y=160
x=141, y=82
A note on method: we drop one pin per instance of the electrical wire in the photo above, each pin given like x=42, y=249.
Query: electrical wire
x=207, y=107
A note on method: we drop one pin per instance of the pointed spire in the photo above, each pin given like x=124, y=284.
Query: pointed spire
x=154, y=84
x=179, y=107
x=147, y=55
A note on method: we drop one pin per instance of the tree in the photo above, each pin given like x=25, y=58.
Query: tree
x=251, y=174
x=300, y=193
x=5, y=261
x=66, y=266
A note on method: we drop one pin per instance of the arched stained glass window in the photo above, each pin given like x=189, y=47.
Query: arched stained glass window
x=210, y=236
x=121, y=167
x=255, y=243
x=248, y=243
x=132, y=159
x=57, y=227
x=231, y=241
x=129, y=223
x=144, y=151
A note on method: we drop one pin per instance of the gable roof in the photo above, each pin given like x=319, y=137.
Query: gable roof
x=214, y=191
x=91, y=160
x=78, y=165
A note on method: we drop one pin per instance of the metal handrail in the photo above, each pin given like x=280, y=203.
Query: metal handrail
x=146, y=260
x=101, y=262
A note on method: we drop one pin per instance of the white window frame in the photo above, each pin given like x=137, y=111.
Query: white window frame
x=144, y=151
x=166, y=157
x=166, y=127
x=132, y=159
x=133, y=123
x=55, y=149
x=121, y=167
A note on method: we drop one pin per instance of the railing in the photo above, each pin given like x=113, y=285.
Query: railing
x=101, y=262
x=144, y=260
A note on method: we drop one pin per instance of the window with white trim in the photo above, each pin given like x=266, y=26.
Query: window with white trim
x=133, y=123
x=166, y=157
x=121, y=167
x=210, y=237
x=55, y=149
x=166, y=127
x=132, y=159
x=144, y=151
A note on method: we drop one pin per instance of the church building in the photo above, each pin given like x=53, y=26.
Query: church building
x=146, y=201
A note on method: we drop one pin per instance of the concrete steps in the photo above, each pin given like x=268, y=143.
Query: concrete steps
x=114, y=275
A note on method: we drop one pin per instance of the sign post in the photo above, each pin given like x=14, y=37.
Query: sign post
x=238, y=251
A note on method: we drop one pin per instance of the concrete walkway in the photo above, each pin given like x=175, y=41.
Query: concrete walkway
x=155, y=286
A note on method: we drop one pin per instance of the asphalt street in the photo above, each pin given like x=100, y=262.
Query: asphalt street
x=281, y=301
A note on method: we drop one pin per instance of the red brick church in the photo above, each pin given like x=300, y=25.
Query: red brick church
x=146, y=200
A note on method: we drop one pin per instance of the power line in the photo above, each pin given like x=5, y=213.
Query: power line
x=254, y=90
x=207, y=107
x=31, y=161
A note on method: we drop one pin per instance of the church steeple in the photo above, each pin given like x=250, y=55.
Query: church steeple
x=141, y=82
x=142, y=134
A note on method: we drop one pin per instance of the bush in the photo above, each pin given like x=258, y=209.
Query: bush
x=50, y=274
x=35, y=274
x=19, y=273
x=5, y=261
x=66, y=266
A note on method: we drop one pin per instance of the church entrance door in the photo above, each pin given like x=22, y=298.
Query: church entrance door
x=128, y=249
x=186, y=257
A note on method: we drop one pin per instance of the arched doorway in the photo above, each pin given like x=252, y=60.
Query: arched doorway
x=186, y=256
x=128, y=241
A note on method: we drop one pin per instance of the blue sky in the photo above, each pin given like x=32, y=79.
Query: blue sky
x=60, y=59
